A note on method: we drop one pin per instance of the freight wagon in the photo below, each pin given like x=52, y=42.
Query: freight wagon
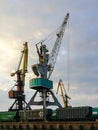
x=74, y=114
x=61, y=114
x=9, y=116
x=32, y=115
x=85, y=113
x=95, y=113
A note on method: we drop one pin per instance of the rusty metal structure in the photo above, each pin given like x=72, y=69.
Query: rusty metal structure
x=21, y=71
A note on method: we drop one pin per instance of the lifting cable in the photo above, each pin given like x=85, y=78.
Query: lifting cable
x=50, y=36
x=68, y=59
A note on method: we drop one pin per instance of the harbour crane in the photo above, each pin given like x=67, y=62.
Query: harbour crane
x=21, y=71
x=64, y=95
x=43, y=71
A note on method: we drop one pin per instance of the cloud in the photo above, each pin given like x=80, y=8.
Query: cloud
x=32, y=21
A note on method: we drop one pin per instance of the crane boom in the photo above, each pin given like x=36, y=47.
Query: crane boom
x=24, y=66
x=55, y=50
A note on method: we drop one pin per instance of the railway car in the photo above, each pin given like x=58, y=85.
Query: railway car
x=73, y=114
x=36, y=114
x=9, y=116
x=95, y=113
x=85, y=113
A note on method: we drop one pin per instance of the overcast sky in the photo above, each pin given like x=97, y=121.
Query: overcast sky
x=32, y=21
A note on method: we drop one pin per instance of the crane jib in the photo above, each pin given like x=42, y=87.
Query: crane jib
x=56, y=48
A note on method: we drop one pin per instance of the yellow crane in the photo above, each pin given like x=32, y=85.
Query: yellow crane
x=64, y=95
x=18, y=94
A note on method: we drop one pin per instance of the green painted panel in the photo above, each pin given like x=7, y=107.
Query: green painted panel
x=95, y=112
x=7, y=116
x=40, y=82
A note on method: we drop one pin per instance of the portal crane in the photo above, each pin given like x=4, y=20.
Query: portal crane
x=18, y=94
x=64, y=95
x=43, y=71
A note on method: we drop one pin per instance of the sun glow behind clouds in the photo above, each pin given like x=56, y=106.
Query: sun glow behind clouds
x=8, y=60
x=7, y=49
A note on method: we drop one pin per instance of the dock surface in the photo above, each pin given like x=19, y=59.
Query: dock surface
x=45, y=125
